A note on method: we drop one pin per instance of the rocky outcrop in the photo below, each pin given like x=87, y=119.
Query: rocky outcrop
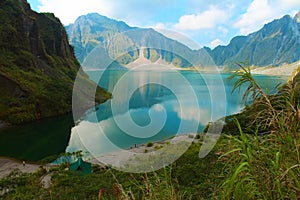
x=278, y=42
x=97, y=40
x=37, y=65
x=100, y=41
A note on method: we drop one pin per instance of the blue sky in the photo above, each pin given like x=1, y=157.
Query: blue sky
x=208, y=23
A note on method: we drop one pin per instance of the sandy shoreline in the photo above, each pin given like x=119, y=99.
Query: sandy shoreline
x=282, y=70
x=7, y=165
x=118, y=158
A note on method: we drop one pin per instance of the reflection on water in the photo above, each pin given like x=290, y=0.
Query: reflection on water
x=150, y=97
x=35, y=141
x=47, y=137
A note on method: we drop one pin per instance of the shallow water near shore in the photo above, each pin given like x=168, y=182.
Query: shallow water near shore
x=156, y=93
x=38, y=140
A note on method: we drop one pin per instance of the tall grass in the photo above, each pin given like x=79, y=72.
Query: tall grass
x=256, y=166
x=265, y=166
x=151, y=186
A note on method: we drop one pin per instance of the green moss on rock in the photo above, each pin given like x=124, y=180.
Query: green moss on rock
x=37, y=65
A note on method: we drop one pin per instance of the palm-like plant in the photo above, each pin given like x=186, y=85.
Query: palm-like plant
x=270, y=112
x=268, y=166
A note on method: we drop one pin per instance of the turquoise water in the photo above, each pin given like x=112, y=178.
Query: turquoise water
x=162, y=104
x=98, y=132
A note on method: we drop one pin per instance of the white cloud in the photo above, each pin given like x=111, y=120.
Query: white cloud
x=133, y=12
x=289, y=3
x=69, y=10
x=215, y=43
x=261, y=12
x=160, y=26
x=291, y=7
x=207, y=19
x=190, y=113
x=223, y=30
x=258, y=13
x=201, y=20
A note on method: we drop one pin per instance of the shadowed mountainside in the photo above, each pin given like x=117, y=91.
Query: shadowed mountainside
x=37, y=65
x=98, y=42
x=278, y=42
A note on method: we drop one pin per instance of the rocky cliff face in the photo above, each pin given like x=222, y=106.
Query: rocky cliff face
x=40, y=34
x=98, y=42
x=37, y=64
x=276, y=43
x=92, y=30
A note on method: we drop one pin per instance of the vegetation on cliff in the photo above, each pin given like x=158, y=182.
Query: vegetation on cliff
x=37, y=64
x=240, y=166
x=264, y=164
x=257, y=157
x=273, y=45
x=100, y=41
x=277, y=41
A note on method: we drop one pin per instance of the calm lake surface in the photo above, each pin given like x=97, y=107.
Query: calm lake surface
x=179, y=95
x=162, y=104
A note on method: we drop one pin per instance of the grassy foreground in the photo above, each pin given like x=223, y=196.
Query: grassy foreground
x=256, y=158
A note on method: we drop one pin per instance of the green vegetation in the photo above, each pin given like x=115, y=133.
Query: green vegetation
x=257, y=157
x=151, y=54
x=188, y=178
x=149, y=144
x=264, y=164
x=267, y=113
x=262, y=167
x=37, y=65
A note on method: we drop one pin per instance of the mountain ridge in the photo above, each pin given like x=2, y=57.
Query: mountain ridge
x=274, y=44
x=97, y=24
x=118, y=48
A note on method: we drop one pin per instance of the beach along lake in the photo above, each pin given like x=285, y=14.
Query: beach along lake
x=146, y=106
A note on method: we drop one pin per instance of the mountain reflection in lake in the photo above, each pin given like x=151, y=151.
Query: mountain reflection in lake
x=162, y=96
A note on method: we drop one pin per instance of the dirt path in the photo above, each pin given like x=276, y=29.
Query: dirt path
x=7, y=165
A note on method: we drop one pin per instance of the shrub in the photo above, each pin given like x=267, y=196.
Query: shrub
x=264, y=166
x=149, y=144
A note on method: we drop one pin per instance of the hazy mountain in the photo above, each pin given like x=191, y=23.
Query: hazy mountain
x=92, y=30
x=276, y=43
x=100, y=41
x=37, y=65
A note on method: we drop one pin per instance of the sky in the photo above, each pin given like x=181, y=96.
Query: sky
x=207, y=23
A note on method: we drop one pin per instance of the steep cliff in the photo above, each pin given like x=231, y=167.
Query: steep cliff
x=278, y=42
x=96, y=39
x=100, y=41
x=37, y=65
x=92, y=30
